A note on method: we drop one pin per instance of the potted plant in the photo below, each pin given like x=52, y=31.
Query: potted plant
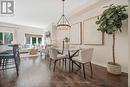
x=66, y=39
x=110, y=22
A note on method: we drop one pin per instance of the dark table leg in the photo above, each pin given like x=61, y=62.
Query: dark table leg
x=0, y=61
x=3, y=65
x=69, y=65
x=65, y=63
x=73, y=62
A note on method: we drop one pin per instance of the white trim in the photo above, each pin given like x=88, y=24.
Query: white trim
x=31, y=40
x=96, y=63
x=9, y=27
x=36, y=40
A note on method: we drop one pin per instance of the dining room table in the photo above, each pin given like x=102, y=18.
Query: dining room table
x=70, y=53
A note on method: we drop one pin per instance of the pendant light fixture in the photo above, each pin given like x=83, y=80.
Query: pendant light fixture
x=63, y=23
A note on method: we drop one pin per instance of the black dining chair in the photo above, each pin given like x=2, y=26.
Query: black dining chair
x=6, y=57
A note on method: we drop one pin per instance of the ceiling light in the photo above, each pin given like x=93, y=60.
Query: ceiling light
x=63, y=23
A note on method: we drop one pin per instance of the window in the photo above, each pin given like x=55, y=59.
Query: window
x=1, y=38
x=6, y=37
x=28, y=38
x=39, y=40
x=34, y=40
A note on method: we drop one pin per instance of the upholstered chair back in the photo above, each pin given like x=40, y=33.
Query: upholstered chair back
x=86, y=54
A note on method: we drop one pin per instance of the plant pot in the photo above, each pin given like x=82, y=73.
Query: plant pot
x=114, y=69
x=66, y=46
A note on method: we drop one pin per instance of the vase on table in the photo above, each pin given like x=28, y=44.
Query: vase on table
x=66, y=45
x=66, y=42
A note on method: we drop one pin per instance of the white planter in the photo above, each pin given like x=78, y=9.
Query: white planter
x=66, y=46
x=114, y=68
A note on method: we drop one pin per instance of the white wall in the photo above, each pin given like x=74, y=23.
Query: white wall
x=20, y=31
x=103, y=54
x=30, y=30
x=53, y=35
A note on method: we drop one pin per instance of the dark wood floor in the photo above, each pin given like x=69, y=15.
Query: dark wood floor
x=34, y=72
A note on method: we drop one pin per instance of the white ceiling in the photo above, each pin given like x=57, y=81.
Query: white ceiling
x=41, y=13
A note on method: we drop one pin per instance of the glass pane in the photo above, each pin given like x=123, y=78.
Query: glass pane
x=33, y=40
x=28, y=39
x=39, y=40
x=1, y=38
x=8, y=38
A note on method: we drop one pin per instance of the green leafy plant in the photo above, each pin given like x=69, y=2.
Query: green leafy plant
x=66, y=39
x=111, y=21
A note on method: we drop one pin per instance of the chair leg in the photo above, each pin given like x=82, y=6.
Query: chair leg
x=65, y=63
x=72, y=66
x=80, y=68
x=69, y=65
x=84, y=71
x=0, y=62
x=59, y=62
x=17, y=69
x=50, y=63
x=3, y=64
x=6, y=62
x=54, y=65
x=91, y=69
x=17, y=66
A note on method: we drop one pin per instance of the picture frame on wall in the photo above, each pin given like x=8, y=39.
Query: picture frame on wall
x=76, y=34
x=90, y=33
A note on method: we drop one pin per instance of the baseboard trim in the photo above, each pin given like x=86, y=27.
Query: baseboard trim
x=105, y=65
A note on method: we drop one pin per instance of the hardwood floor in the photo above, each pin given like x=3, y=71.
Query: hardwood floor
x=35, y=72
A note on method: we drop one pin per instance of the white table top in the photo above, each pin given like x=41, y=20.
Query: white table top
x=70, y=49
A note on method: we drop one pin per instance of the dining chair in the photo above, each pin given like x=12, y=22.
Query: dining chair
x=85, y=57
x=54, y=56
x=46, y=51
x=11, y=56
x=2, y=49
x=3, y=52
x=41, y=49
